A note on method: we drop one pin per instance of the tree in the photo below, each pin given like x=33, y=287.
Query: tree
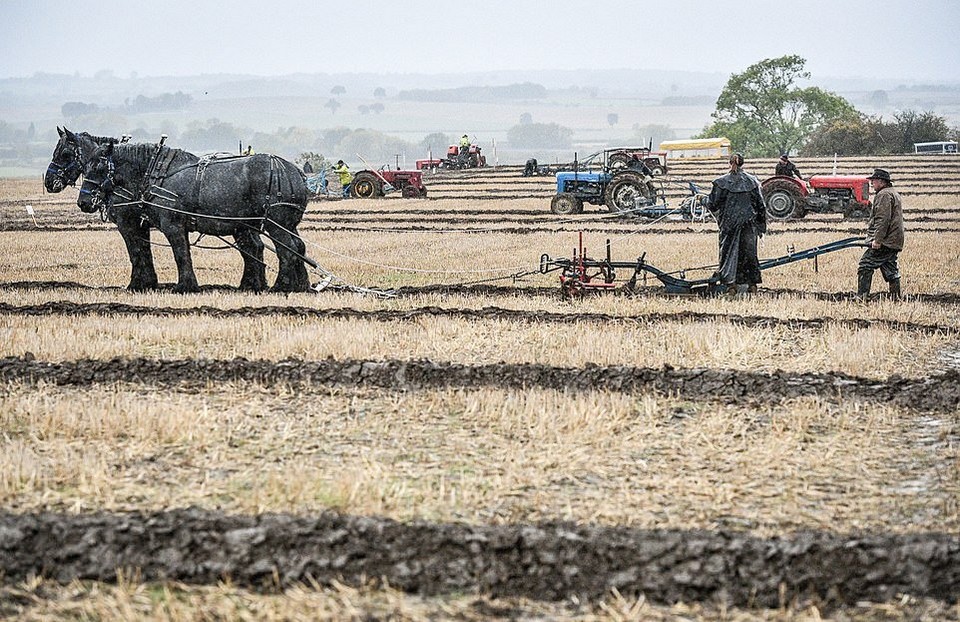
x=376, y=107
x=379, y=92
x=540, y=135
x=613, y=118
x=437, y=142
x=879, y=99
x=863, y=135
x=332, y=104
x=363, y=109
x=338, y=90
x=526, y=118
x=764, y=113
x=654, y=133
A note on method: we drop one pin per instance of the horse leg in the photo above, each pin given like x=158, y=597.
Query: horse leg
x=251, y=249
x=291, y=273
x=136, y=237
x=176, y=234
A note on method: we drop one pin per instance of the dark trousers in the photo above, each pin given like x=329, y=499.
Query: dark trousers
x=883, y=259
x=739, y=263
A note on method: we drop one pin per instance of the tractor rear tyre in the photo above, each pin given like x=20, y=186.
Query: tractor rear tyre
x=618, y=160
x=566, y=203
x=366, y=185
x=626, y=192
x=783, y=200
x=411, y=192
x=856, y=211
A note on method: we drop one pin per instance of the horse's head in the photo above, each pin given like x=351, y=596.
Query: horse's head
x=96, y=192
x=66, y=164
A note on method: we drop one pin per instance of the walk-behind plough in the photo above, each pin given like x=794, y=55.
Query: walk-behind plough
x=581, y=273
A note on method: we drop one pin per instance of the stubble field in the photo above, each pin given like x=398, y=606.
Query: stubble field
x=477, y=447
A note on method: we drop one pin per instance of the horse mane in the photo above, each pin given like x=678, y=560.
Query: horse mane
x=100, y=140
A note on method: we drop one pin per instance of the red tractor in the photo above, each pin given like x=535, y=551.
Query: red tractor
x=789, y=197
x=455, y=160
x=369, y=184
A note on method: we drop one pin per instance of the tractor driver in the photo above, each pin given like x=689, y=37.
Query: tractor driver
x=464, y=148
x=346, y=179
x=787, y=168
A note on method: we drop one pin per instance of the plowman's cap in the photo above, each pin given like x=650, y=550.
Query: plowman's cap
x=879, y=173
x=783, y=156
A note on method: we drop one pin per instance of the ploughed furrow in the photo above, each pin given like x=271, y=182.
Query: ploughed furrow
x=852, y=228
x=488, y=290
x=485, y=313
x=548, y=561
x=935, y=393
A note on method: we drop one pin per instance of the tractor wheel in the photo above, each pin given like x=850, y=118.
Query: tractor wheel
x=618, y=160
x=566, y=203
x=783, y=200
x=410, y=192
x=366, y=185
x=626, y=191
x=856, y=211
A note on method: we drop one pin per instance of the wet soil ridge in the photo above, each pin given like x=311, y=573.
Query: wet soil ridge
x=547, y=561
x=510, y=291
x=939, y=393
x=485, y=313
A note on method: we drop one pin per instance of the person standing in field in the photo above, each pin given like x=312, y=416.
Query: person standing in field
x=884, y=235
x=737, y=203
x=346, y=178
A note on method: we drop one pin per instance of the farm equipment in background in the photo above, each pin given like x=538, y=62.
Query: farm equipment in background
x=620, y=157
x=471, y=158
x=581, y=273
x=371, y=184
x=789, y=197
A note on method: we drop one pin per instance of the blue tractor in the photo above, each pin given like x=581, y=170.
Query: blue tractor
x=625, y=190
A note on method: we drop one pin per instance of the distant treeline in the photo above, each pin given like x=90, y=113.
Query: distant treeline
x=139, y=104
x=466, y=94
x=682, y=100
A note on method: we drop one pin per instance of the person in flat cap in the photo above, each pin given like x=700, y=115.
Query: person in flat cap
x=787, y=168
x=884, y=235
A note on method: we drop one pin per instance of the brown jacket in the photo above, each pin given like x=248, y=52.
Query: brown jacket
x=886, y=219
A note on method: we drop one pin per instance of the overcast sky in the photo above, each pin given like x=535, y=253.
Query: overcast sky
x=899, y=39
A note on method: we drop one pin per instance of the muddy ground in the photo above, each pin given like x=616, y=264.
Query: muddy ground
x=938, y=393
x=490, y=290
x=550, y=561
x=485, y=313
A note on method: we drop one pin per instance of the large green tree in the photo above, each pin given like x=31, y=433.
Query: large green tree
x=764, y=112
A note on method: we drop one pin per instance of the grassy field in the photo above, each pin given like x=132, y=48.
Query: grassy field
x=481, y=455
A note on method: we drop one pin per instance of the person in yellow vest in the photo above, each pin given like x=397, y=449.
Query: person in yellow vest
x=346, y=178
x=464, y=149
x=249, y=151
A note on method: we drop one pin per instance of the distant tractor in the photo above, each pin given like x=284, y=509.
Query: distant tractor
x=656, y=161
x=624, y=191
x=472, y=158
x=369, y=184
x=789, y=197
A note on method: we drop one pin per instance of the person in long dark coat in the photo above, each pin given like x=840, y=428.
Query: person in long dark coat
x=737, y=203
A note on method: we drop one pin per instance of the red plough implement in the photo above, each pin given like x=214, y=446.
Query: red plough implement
x=581, y=273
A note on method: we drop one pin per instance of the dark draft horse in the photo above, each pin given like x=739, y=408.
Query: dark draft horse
x=146, y=185
x=72, y=153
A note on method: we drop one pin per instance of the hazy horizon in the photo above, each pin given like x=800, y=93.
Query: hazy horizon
x=840, y=38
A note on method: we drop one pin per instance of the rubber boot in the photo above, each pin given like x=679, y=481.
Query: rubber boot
x=864, y=280
x=752, y=288
x=894, y=289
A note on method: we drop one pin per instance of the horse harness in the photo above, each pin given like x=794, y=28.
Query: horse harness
x=151, y=192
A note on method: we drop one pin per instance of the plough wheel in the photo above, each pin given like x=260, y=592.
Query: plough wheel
x=572, y=289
